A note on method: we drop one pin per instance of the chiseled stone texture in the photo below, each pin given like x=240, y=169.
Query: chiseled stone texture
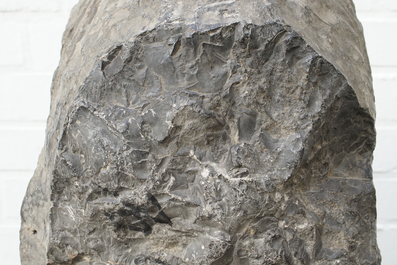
x=207, y=132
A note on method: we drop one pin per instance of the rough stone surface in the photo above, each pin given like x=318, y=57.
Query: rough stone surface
x=207, y=132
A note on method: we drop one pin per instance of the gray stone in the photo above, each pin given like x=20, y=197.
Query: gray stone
x=207, y=132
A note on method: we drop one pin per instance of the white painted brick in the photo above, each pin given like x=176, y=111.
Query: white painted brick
x=384, y=72
x=20, y=145
x=29, y=5
x=13, y=189
x=385, y=155
x=386, y=197
x=9, y=246
x=25, y=97
x=386, y=242
x=11, y=44
x=385, y=88
x=69, y=4
x=379, y=31
x=375, y=5
x=45, y=41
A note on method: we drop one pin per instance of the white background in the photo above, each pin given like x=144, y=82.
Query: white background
x=30, y=43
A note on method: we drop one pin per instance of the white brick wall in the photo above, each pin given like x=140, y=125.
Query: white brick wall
x=379, y=19
x=29, y=53
x=30, y=43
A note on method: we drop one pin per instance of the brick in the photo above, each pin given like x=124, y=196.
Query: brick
x=9, y=245
x=45, y=39
x=11, y=44
x=21, y=144
x=386, y=198
x=386, y=96
x=28, y=5
x=13, y=188
x=25, y=96
x=386, y=150
x=69, y=4
x=386, y=186
x=375, y=5
x=380, y=38
x=386, y=240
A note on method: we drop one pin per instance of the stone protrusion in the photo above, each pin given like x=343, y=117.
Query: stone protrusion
x=212, y=135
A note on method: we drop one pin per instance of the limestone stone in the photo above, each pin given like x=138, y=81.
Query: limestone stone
x=207, y=132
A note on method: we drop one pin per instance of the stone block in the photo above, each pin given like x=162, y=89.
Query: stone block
x=207, y=133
